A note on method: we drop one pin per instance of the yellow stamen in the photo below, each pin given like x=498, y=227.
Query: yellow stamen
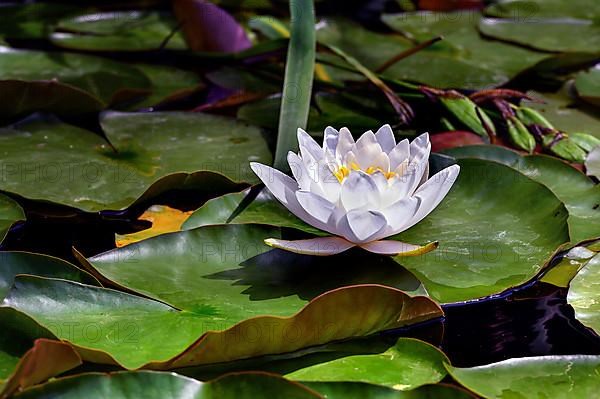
x=343, y=171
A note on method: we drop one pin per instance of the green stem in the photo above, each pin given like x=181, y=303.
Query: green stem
x=297, y=85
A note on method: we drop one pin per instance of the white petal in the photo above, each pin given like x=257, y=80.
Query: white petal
x=277, y=182
x=385, y=138
x=420, y=142
x=425, y=174
x=366, y=139
x=329, y=185
x=399, y=154
x=398, y=248
x=433, y=192
x=360, y=226
x=417, y=165
x=400, y=214
x=367, y=150
x=365, y=225
x=284, y=189
x=330, y=139
x=299, y=170
x=358, y=190
x=381, y=182
x=320, y=246
x=309, y=149
x=316, y=206
x=345, y=143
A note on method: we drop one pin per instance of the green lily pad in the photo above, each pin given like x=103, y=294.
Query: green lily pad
x=168, y=84
x=564, y=35
x=10, y=213
x=496, y=228
x=552, y=25
x=557, y=377
x=587, y=84
x=491, y=235
x=159, y=385
x=463, y=49
x=119, y=31
x=533, y=9
x=408, y=364
x=264, y=209
x=15, y=263
x=64, y=83
x=470, y=63
x=580, y=195
x=584, y=294
x=156, y=152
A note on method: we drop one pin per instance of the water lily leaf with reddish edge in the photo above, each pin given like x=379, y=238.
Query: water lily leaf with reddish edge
x=10, y=213
x=557, y=377
x=160, y=385
x=52, y=161
x=46, y=359
x=580, y=195
x=113, y=327
x=584, y=294
x=207, y=27
x=119, y=31
x=497, y=228
x=408, y=364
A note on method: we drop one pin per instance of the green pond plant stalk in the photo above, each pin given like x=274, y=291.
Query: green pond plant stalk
x=298, y=81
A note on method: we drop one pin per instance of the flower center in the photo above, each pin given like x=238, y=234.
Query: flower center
x=343, y=171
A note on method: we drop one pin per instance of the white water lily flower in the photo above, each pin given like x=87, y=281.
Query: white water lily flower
x=361, y=192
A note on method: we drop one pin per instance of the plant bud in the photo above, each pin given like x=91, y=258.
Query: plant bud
x=519, y=135
x=530, y=116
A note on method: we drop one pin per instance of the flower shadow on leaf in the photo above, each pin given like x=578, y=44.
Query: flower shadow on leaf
x=279, y=273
